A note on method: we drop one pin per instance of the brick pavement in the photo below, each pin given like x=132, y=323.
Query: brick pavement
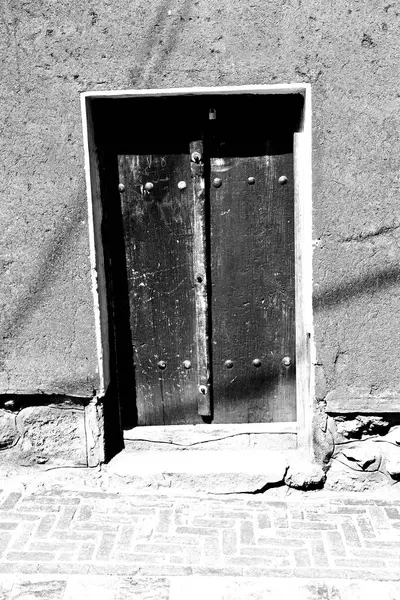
x=62, y=532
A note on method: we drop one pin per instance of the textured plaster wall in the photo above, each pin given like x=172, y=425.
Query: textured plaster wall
x=52, y=51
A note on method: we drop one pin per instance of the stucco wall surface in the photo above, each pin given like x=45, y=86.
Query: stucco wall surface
x=52, y=51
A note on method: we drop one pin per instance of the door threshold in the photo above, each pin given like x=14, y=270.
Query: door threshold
x=212, y=471
x=237, y=436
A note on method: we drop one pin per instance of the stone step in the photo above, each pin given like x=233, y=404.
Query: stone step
x=261, y=436
x=206, y=471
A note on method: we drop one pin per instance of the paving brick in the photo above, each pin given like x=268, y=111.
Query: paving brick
x=213, y=571
x=135, y=510
x=22, y=535
x=359, y=563
x=124, y=538
x=196, y=530
x=86, y=552
x=296, y=514
x=211, y=536
x=211, y=549
x=10, y=501
x=269, y=541
x=133, y=557
x=382, y=544
x=348, y=510
x=301, y=534
x=52, y=500
x=18, y=517
x=247, y=532
x=164, y=520
x=279, y=518
x=41, y=508
x=95, y=527
x=65, y=518
x=229, y=542
x=115, y=569
x=183, y=539
x=166, y=570
x=84, y=513
x=271, y=503
x=114, y=495
x=65, y=556
x=5, y=538
x=263, y=520
x=201, y=522
x=76, y=535
x=335, y=543
x=350, y=534
x=318, y=553
x=106, y=545
x=191, y=555
x=364, y=524
x=158, y=548
x=314, y=526
x=259, y=560
x=392, y=512
x=30, y=556
x=225, y=514
x=383, y=553
x=379, y=517
x=263, y=551
x=302, y=557
x=8, y=526
x=45, y=526
x=51, y=546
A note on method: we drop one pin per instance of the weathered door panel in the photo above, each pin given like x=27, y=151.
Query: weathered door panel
x=159, y=223
x=252, y=275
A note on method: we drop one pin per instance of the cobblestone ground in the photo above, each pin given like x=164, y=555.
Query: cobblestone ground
x=53, y=541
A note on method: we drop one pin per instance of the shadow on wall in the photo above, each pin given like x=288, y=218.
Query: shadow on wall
x=62, y=243
x=370, y=283
x=159, y=40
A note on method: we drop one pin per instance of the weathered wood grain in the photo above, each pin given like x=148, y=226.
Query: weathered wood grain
x=200, y=270
x=159, y=238
x=253, y=286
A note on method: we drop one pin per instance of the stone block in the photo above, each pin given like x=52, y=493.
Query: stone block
x=361, y=425
x=8, y=430
x=320, y=382
x=304, y=475
x=206, y=471
x=345, y=478
x=393, y=436
x=366, y=455
x=53, y=434
x=392, y=462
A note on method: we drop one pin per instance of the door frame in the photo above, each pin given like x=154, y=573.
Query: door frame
x=302, y=151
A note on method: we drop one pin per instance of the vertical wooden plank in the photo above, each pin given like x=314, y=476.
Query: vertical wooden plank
x=200, y=270
x=253, y=301
x=158, y=229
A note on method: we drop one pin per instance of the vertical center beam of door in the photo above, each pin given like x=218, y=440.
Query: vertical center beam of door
x=200, y=273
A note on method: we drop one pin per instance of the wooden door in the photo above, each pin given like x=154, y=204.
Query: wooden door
x=226, y=354
x=252, y=276
x=162, y=199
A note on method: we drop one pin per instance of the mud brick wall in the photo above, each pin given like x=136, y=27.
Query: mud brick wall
x=50, y=52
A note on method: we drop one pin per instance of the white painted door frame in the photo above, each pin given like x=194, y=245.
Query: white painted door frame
x=305, y=352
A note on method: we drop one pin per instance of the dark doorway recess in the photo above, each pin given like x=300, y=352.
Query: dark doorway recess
x=198, y=234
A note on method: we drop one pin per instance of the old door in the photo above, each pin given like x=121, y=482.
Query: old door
x=162, y=198
x=252, y=271
x=222, y=210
